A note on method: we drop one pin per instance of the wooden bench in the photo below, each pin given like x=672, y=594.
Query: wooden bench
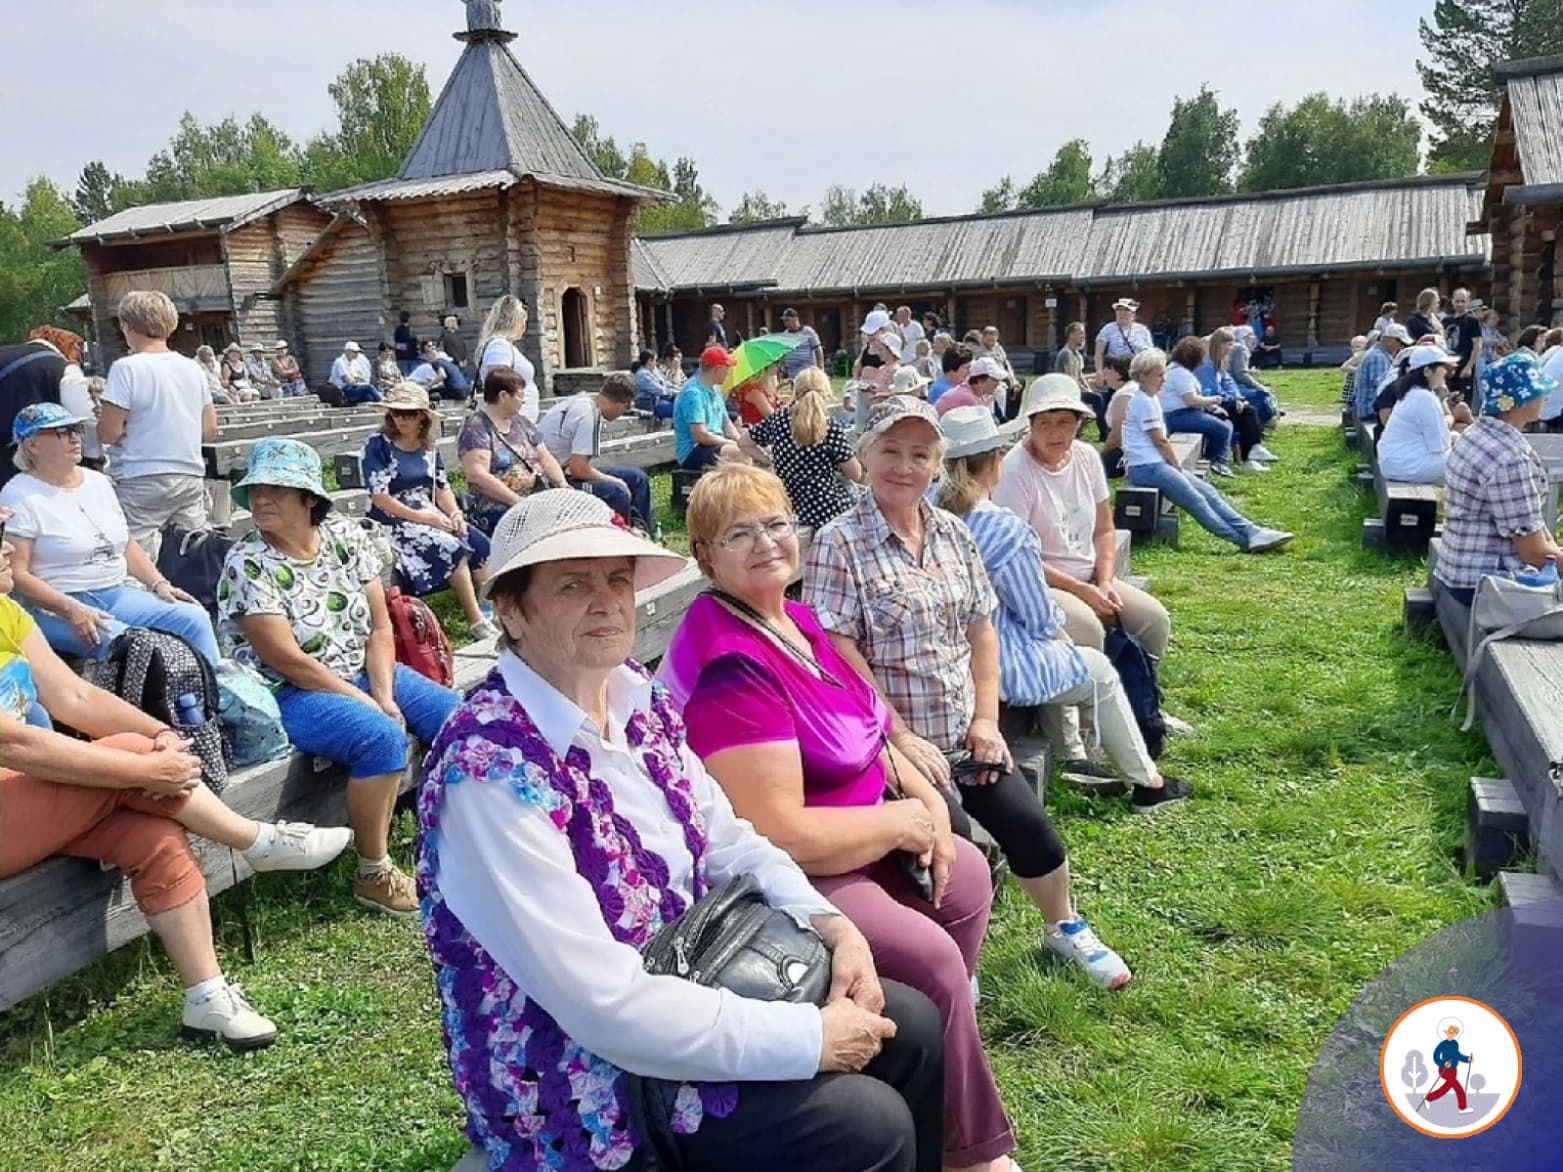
x=1143, y=512
x=1408, y=514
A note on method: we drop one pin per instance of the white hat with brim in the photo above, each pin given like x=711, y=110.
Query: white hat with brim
x=354, y=347
x=1128, y=303
x=908, y=381
x=410, y=396
x=564, y=524
x=970, y=431
x=1055, y=392
x=1431, y=356
x=875, y=322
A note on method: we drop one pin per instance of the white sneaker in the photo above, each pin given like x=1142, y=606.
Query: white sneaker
x=1253, y=465
x=1176, y=727
x=482, y=630
x=298, y=846
x=227, y=1015
x=1260, y=452
x=1264, y=539
x=1222, y=470
x=976, y=990
x=1074, y=940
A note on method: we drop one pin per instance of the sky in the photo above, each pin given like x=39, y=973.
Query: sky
x=787, y=97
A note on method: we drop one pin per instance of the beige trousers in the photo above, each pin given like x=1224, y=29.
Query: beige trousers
x=1142, y=616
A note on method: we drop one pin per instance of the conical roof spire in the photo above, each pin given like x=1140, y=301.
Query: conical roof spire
x=484, y=23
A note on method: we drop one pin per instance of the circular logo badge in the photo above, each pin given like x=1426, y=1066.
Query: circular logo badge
x=1450, y=1067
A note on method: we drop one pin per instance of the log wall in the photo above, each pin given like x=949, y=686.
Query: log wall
x=336, y=299
x=583, y=242
x=257, y=256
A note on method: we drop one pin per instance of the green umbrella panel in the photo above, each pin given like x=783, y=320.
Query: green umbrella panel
x=756, y=354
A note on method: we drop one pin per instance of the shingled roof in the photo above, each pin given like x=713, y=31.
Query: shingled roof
x=1361, y=226
x=223, y=213
x=492, y=127
x=1534, y=100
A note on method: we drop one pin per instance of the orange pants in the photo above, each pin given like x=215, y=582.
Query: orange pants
x=124, y=828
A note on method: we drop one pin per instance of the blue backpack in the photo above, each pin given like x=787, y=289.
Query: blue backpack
x=251, y=721
x=1137, y=673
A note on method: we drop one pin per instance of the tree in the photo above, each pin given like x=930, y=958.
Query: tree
x=225, y=158
x=1200, y=150
x=1462, y=43
x=1133, y=177
x=998, y=198
x=1319, y=141
x=755, y=208
x=100, y=193
x=1066, y=181
x=880, y=204
x=692, y=206
x=602, y=151
x=382, y=106
x=35, y=281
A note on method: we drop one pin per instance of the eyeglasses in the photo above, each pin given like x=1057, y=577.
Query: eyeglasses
x=743, y=538
x=72, y=430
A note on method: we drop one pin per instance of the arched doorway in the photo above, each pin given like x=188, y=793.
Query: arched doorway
x=575, y=322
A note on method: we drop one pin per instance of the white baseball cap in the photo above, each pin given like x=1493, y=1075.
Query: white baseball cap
x=353, y=347
x=1431, y=356
x=875, y=322
x=1398, y=332
x=987, y=366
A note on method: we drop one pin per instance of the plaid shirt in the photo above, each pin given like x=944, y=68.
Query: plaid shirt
x=1371, y=370
x=1494, y=488
x=908, y=618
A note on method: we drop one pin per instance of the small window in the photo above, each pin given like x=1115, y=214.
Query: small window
x=456, y=290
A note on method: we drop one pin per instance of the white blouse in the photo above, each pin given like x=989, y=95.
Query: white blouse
x=504, y=352
x=509, y=875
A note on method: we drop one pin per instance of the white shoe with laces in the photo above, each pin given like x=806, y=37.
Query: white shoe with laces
x=482, y=630
x=1260, y=452
x=298, y=846
x=1253, y=465
x=1222, y=470
x=1074, y=940
x=227, y=1015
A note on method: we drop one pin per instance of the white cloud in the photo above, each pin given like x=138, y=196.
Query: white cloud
x=940, y=95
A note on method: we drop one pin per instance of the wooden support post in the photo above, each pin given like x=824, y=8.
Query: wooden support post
x=1354, y=309
x=1083, y=312
x=949, y=316
x=748, y=319
x=1052, y=321
x=1314, y=289
x=1191, y=307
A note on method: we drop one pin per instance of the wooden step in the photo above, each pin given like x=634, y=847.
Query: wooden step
x=1521, y=889
x=1496, y=829
x=1419, y=609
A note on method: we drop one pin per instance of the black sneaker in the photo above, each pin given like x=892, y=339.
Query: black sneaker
x=1172, y=792
x=1092, y=778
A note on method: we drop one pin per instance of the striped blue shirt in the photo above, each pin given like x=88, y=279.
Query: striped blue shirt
x=1034, y=665
x=1370, y=372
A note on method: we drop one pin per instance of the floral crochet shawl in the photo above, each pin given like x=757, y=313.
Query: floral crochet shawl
x=534, y=1098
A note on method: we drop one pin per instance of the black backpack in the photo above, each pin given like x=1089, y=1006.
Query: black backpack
x=1137, y=673
x=150, y=670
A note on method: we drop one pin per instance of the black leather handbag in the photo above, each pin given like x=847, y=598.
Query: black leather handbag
x=731, y=939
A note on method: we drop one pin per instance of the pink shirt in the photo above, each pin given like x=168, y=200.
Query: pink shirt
x=737, y=687
x=1061, y=506
x=959, y=396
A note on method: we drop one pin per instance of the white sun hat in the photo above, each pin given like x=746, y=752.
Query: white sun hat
x=1055, y=392
x=562, y=524
x=875, y=322
x=970, y=431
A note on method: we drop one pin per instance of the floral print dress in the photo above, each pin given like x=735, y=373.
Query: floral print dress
x=425, y=556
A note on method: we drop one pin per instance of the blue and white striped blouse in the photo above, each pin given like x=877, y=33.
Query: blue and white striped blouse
x=1033, y=665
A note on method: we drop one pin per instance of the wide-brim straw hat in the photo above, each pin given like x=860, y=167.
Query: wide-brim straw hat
x=409, y=396
x=282, y=463
x=970, y=431
x=908, y=381
x=1055, y=392
x=562, y=524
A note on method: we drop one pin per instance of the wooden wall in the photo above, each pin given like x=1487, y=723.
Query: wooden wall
x=257, y=256
x=1520, y=240
x=583, y=242
x=426, y=239
x=336, y=299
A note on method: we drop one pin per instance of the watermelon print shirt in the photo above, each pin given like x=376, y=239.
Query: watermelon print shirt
x=323, y=600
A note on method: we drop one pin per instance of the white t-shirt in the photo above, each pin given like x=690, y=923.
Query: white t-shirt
x=166, y=396
x=78, y=534
x=911, y=334
x=77, y=399
x=1180, y=381
x=572, y=428
x=425, y=375
x=1415, y=442
x=1551, y=363
x=504, y=352
x=1061, y=506
x=1118, y=407
x=1144, y=417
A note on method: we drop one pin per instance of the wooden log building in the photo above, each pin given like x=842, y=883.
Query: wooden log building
x=1522, y=209
x=1325, y=257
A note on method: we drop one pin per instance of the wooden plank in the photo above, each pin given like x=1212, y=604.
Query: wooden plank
x=1519, y=698
x=225, y=457
x=1409, y=511
x=1549, y=446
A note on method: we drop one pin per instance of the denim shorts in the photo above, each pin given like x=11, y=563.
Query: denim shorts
x=366, y=740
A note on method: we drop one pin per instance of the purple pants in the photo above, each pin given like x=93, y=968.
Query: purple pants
x=935, y=952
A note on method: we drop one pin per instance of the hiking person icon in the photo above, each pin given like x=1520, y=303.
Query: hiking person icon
x=1447, y=1059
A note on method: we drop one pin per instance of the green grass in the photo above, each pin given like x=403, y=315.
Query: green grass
x=1323, y=843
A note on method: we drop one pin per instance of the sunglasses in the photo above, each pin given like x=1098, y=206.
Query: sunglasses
x=406, y=412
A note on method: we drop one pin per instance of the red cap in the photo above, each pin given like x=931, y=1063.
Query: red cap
x=716, y=356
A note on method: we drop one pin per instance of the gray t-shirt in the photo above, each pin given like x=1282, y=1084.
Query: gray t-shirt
x=165, y=396
x=573, y=428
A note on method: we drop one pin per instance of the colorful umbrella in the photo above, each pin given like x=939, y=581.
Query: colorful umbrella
x=756, y=354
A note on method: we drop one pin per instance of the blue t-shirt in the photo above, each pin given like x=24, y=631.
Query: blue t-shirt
x=937, y=388
x=696, y=403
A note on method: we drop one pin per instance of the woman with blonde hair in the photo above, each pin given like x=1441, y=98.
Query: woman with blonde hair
x=811, y=450
x=411, y=496
x=499, y=345
x=1425, y=320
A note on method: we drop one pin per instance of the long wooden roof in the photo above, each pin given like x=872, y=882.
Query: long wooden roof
x=1415, y=223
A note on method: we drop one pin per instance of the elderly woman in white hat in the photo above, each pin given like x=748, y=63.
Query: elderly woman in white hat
x=1413, y=445
x=565, y=821
x=411, y=496
x=1038, y=663
x=900, y=587
x=876, y=368
x=236, y=375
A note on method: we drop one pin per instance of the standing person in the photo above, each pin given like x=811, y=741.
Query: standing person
x=1375, y=368
x=499, y=344
x=411, y=498
x=286, y=370
x=716, y=332
x=1071, y=363
x=1425, y=320
x=351, y=375
x=29, y=373
x=300, y=601
x=1463, y=338
x=556, y=918
x=1185, y=408
x=1447, y=1058
x=1123, y=337
x=900, y=588
x=452, y=343
x=808, y=352
x=1150, y=462
x=703, y=433
x=1386, y=316
x=262, y=378
x=406, y=343
x=572, y=432
x=812, y=452
x=156, y=412
x=876, y=323
x=502, y=455
x=911, y=334
x=881, y=361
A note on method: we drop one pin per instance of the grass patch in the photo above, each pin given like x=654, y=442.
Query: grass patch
x=1323, y=844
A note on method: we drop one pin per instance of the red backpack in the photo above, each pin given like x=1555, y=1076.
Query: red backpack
x=420, y=640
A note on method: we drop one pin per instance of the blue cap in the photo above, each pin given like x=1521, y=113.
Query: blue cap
x=36, y=417
x=1512, y=382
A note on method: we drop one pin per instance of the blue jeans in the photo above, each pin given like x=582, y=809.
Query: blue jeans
x=455, y=379
x=130, y=608
x=295, y=389
x=635, y=505
x=362, y=394
x=1196, y=421
x=1200, y=500
x=702, y=457
x=366, y=740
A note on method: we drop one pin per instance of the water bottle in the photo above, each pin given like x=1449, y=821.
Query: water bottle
x=188, y=711
x=1547, y=575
